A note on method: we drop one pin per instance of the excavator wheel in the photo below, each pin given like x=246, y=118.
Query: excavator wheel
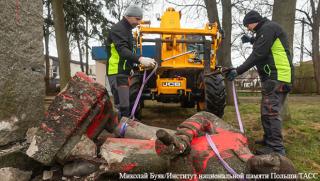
x=214, y=97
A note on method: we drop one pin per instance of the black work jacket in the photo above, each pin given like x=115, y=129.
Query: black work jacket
x=120, y=55
x=270, y=53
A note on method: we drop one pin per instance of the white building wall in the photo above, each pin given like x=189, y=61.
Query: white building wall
x=74, y=68
x=101, y=75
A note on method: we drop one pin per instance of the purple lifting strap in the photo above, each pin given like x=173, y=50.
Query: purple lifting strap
x=224, y=163
x=236, y=107
x=214, y=147
x=145, y=80
x=123, y=129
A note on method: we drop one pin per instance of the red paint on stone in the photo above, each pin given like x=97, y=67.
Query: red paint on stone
x=224, y=140
x=66, y=97
x=96, y=121
x=160, y=147
x=120, y=152
x=105, y=107
x=149, y=145
x=46, y=128
x=128, y=167
x=83, y=76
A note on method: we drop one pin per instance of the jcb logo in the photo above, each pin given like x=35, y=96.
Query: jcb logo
x=171, y=84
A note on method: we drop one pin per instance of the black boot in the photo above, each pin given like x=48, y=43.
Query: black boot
x=260, y=142
x=264, y=150
x=267, y=150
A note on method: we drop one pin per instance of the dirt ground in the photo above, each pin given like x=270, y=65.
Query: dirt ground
x=166, y=115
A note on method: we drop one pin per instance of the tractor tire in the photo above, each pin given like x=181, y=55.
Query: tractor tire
x=214, y=94
x=135, y=84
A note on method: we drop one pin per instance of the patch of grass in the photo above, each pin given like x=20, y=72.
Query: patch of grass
x=301, y=133
x=248, y=93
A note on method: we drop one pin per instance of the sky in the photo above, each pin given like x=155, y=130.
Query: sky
x=192, y=19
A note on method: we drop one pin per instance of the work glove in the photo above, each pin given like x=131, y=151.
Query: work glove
x=170, y=146
x=232, y=74
x=246, y=38
x=147, y=62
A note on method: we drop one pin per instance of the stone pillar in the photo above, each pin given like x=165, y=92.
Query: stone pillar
x=22, y=87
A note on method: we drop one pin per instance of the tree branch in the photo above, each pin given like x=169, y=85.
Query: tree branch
x=308, y=51
x=307, y=16
x=313, y=9
x=301, y=20
x=185, y=5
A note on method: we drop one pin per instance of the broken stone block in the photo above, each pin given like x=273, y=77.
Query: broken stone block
x=129, y=128
x=83, y=107
x=132, y=156
x=30, y=134
x=108, y=120
x=14, y=156
x=66, y=149
x=47, y=175
x=79, y=168
x=53, y=173
x=22, y=87
x=14, y=174
x=84, y=148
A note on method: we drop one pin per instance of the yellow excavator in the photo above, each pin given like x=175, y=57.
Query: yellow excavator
x=186, y=58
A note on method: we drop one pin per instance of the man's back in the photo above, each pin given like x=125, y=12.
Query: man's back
x=272, y=40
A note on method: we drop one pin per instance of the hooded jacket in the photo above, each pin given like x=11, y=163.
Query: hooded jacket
x=270, y=53
x=119, y=47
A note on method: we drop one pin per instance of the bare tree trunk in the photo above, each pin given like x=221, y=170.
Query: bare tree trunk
x=226, y=45
x=80, y=55
x=86, y=45
x=46, y=34
x=315, y=42
x=46, y=44
x=284, y=14
x=62, y=42
x=212, y=11
x=213, y=16
x=316, y=56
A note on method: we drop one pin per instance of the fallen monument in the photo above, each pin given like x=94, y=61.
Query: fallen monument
x=66, y=140
x=83, y=107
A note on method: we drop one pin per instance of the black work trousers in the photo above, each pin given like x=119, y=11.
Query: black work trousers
x=119, y=85
x=274, y=94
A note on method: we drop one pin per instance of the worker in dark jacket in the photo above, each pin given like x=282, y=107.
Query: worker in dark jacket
x=273, y=60
x=121, y=58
